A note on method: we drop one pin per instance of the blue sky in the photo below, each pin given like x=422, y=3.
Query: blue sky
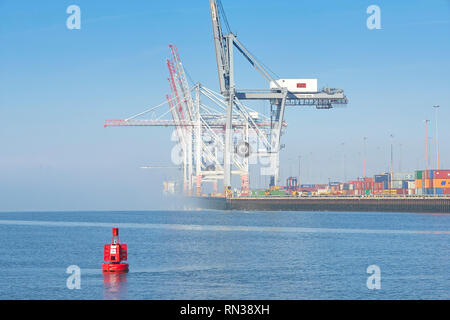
x=59, y=85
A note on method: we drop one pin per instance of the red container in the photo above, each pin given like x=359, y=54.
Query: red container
x=379, y=186
x=358, y=185
x=446, y=190
x=441, y=174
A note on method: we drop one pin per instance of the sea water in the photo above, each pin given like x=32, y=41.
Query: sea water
x=227, y=255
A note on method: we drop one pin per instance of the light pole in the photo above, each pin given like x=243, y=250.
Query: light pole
x=392, y=160
x=299, y=157
x=437, y=140
x=426, y=142
x=365, y=139
x=343, y=161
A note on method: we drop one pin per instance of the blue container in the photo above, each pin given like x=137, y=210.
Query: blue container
x=431, y=191
x=428, y=174
x=404, y=184
x=307, y=186
x=381, y=177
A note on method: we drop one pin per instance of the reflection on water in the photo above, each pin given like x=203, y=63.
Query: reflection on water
x=114, y=286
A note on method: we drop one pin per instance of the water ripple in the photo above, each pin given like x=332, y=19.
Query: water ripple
x=191, y=227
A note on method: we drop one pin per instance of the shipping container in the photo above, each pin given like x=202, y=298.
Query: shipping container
x=402, y=191
x=441, y=183
x=419, y=175
x=403, y=176
x=308, y=189
x=379, y=186
x=419, y=184
x=433, y=191
x=381, y=177
x=278, y=192
x=441, y=174
x=424, y=174
x=296, y=85
x=396, y=184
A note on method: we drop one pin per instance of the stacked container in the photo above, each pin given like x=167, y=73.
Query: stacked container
x=433, y=182
x=384, y=178
x=400, y=181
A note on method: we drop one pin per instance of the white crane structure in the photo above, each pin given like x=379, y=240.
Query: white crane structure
x=198, y=116
x=278, y=95
x=216, y=133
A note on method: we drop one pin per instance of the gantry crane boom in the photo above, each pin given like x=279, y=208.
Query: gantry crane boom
x=278, y=96
x=220, y=46
x=200, y=126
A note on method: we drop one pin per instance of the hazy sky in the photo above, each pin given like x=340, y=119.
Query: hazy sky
x=59, y=85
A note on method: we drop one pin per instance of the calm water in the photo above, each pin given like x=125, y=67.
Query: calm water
x=227, y=255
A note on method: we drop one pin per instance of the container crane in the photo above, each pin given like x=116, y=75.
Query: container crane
x=279, y=95
x=196, y=113
x=224, y=116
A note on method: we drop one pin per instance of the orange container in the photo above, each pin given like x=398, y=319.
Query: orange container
x=441, y=183
x=419, y=184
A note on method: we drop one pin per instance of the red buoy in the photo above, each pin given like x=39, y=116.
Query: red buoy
x=114, y=254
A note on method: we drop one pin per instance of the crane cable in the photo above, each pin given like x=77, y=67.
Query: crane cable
x=225, y=20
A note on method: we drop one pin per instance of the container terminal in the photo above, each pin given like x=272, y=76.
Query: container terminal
x=218, y=133
x=421, y=191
